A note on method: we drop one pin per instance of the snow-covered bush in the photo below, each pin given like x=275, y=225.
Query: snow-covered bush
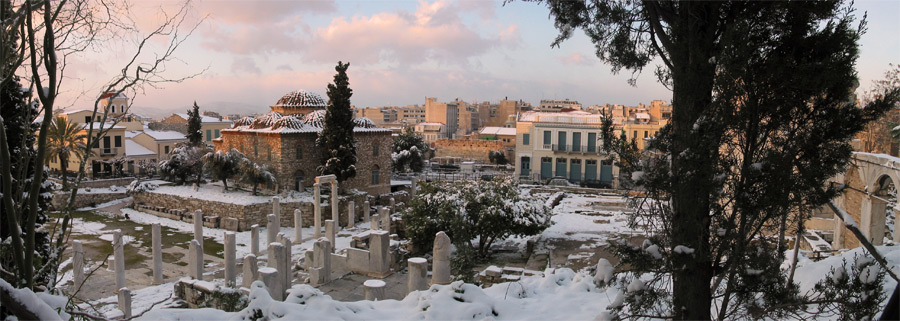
x=486, y=210
x=138, y=186
x=222, y=166
x=254, y=174
x=408, y=152
x=183, y=162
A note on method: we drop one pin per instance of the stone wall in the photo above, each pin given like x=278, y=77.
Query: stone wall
x=469, y=149
x=100, y=183
x=84, y=199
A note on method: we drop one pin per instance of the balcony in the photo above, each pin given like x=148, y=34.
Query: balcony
x=576, y=149
x=106, y=151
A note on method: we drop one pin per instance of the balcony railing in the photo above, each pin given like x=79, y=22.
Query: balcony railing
x=576, y=149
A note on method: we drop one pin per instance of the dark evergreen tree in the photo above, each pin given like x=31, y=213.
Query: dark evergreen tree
x=222, y=166
x=409, y=150
x=18, y=113
x=761, y=118
x=335, y=142
x=194, y=134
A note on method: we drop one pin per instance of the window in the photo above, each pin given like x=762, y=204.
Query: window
x=576, y=142
x=591, y=162
x=87, y=119
x=299, y=151
x=526, y=139
x=217, y=133
x=645, y=134
x=375, y=174
x=208, y=135
x=166, y=149
x=547, y=140
x=269, y=154
x=375, y=149
x=118, y=141
x=635, y=135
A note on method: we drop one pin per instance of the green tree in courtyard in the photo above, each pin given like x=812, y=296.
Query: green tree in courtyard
x=64, y=141
x=409, y=150
x=335, y=142
x=194, y=133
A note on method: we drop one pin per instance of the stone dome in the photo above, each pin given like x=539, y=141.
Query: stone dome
x=301, y=99
x=364, y=122
x=266, y=120
x=289, y=122
x=315, y=118
x=244, y=121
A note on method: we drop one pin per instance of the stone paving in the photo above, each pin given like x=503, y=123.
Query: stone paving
x=350, y=287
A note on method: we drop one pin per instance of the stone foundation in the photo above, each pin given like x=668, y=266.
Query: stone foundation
x=84, y=200
x=202, y=294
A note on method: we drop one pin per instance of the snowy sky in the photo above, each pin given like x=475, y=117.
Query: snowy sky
x=399, y=53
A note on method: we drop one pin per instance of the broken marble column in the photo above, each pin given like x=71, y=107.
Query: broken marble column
x=379, y=253
x=119, y=253
x=157, y=253
x=125, y=302
x=374, y=290
x=392, y=204
x=198, y=226
x=418, y=274
x=335, y=211
x=278, y=261
x=351, y=213
x=251, y=270
x=276, y=206
x=77, y=264
x=320, y=273
x=412, y=189
x=385, y=215
x=366, y=211
x=440, y=271
x=286, y=263
x=254, y=239
x=272, y=280
x=272, y=228
x=373, y=223
x=195, y=260
x=329, y=232
x=298, y=227
x=230, y=264
x=317, y=210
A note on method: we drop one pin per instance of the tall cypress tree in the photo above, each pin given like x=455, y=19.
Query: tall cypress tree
x=195, y=137
x=335, y=142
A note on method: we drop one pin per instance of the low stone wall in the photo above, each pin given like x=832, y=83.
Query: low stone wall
x=101, y=183
x=202, y=294
x=468, y=149
x=84, y=199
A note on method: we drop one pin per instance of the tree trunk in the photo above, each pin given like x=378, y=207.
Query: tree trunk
x=63, y=165
x=692, y=79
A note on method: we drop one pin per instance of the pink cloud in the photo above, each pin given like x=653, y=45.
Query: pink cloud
x=255, y=12
x=577, y=59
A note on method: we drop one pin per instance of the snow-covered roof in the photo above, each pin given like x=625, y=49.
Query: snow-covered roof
x=164, y=134
x=134, y=149
x=203, y=118
x=570, y=117
x=301, y=99
x=274, y=122
x=76, y=111
x=499, y=131
x=132, y=133
x=642, y=116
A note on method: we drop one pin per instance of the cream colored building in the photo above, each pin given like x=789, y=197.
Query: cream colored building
x=210, y=127
x=563, y=144
x=160, y=142
x=444, y=113
x=431, y=132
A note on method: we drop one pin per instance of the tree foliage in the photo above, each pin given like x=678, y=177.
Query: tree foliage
x=408, y=152
x=221, y=165
x=335, y=141
x=64, y=141
x=497, y=157
x=486, y=210
x=762, y=117
x=194, y=131
x=184, y=162
x=254, y=174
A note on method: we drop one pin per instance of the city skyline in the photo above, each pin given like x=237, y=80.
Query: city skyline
x=399, y=52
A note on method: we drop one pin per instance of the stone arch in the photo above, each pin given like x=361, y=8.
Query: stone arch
x=873, y=173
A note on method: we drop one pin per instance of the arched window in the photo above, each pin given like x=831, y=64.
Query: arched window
x=299, y=151
x=375, y=148
x=375, y=175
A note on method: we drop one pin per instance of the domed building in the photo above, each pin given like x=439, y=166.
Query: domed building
x=285, y=139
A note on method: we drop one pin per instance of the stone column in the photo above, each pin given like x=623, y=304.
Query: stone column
x=412, y=189
x=125, y=302
x=77, y=264
x=276, y=206
x=373, y=223
x=379, y=252
x=321, y=271
x=366, y=211
x=195, y=260
x=374, y=290
x=198, y=227
x=329, y=232
x=440, y=273
x=418, y=274
x=272, y=281
x=897, y=223
x=251, y=270
x=385, y=214
x=288, y=275
x=278, y=261
x=317, y=210
x=157, y=254
x=298, y=226
x=254, y=239
x=392, y=206
x=873, y=219
x=271, y=228
x=119, y=250
x=335, y=211
x=351, y=214
x=230, y=264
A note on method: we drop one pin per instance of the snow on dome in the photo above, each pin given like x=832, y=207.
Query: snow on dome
x=301, y=98
x=315, y=118
x=244, y=121
x=289, y=122
x=266, y=120
x=364, y=122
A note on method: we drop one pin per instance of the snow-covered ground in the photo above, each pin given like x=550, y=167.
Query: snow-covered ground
x=213, y=192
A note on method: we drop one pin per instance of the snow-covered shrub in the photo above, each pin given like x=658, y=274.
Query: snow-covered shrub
x=183, y=162
x=138, y=186
x=254, y=174
x=222, y=166
x=408, y=152
x=486, y=210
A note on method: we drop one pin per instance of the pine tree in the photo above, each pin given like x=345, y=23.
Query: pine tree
x=409, y=150
x=335, y=142
x=194, y=134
